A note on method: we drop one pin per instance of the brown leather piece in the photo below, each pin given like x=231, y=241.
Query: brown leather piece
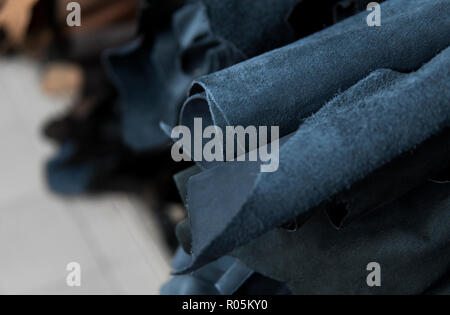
x=15, y=16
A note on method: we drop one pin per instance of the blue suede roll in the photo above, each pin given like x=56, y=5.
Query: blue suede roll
x=359, y=131
x=284, y=86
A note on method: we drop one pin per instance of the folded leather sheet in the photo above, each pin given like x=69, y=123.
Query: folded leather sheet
x=406, y=172
x=15, y=16
x=209, y=280
x=408, y=238
x=426, y=162
x=364, y=150
x=359, y=131
x=286, y=85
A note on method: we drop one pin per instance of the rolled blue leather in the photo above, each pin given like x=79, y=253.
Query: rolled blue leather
x=286, y=85
x=362, y=129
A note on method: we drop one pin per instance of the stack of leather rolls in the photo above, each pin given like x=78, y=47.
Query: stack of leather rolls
x=363, y=114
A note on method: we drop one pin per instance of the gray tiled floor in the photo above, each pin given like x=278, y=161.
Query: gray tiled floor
x=114, y=238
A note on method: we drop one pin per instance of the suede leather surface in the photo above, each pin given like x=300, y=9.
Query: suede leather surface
x=409, y=239
x=286, y=85
x=226, y=276
x=383, y=116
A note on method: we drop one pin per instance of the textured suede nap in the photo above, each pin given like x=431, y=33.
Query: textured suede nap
x=383, y=116
x=284, y=86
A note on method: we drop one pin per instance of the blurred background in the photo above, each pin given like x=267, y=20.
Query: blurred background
x=57, y=120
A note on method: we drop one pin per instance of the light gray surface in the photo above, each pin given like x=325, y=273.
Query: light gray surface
x=114, y=238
